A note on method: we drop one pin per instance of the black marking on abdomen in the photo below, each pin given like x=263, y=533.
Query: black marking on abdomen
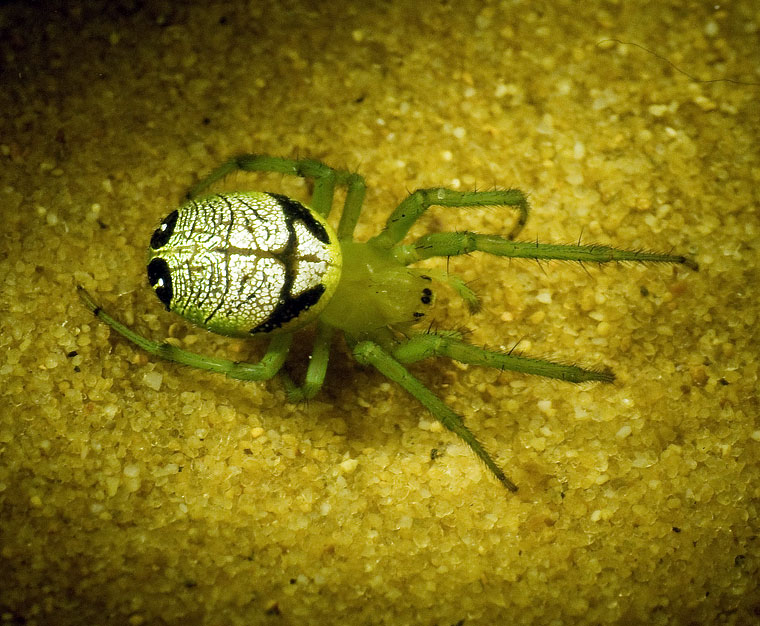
x=289, y=308
x=162, y=234
x=158, y=269
x=294, y=210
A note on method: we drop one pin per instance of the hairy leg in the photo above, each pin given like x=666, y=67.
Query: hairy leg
x=434, y=344
x=453, y=244
x=411, y=209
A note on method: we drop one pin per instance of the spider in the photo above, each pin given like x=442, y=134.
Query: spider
x=260, y=264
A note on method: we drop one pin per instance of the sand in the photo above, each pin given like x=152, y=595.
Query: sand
x=136, y=491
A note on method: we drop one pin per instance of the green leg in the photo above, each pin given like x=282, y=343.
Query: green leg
x=325, y=179
x=434, y=344
x=369, y=353
x=452, y=244
x=411, y=209
x=265, y=369
x=315, y=372
x=324, y=176
x=355, y=188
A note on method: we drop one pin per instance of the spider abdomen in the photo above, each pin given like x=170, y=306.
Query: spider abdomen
x=244, y=263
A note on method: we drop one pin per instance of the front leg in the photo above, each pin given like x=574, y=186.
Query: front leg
x=411, y=209
x=453, y=244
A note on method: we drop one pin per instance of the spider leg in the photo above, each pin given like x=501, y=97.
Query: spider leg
x=325, y=179
x=370, y=353
x=352, y=207
x=427, y=345
x=270, y=364
x=411, y=209
x=316, y=370
x=452, y=244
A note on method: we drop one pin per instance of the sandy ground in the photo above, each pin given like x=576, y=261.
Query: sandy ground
x=135, y=491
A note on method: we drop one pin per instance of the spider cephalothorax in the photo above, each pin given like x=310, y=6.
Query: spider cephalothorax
x=255, y=264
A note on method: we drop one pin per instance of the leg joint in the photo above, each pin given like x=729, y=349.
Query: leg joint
x=364, y=351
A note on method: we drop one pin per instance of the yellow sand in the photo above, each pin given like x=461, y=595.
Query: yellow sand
x=134, y=491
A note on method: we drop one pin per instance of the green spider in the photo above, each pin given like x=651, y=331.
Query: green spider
x=252, y=264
